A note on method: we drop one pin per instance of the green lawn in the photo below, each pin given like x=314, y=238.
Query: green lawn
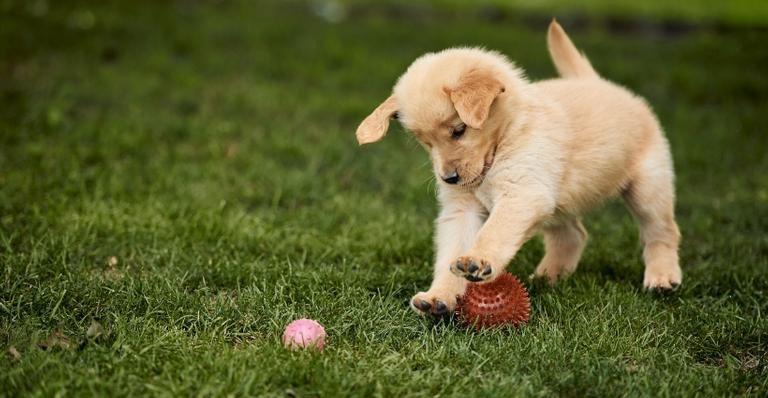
x=185, y=175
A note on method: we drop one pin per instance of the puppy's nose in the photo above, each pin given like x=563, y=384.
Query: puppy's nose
x=451, y=178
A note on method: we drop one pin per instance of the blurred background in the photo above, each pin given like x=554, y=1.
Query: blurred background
x=254, y=104
x=160, y=156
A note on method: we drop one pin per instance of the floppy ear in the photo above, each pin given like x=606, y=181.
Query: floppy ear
x=473, y=95
x=376, y=124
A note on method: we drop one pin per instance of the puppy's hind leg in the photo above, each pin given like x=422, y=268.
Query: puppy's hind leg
x=651, y=199
x=563, y=242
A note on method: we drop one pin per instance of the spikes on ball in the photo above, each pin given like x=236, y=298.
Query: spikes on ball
x=504, y=301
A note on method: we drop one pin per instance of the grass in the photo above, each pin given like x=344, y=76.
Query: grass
x=179, y=180
x=723, y=13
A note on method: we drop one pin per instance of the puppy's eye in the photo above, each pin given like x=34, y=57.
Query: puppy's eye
x=458, y=131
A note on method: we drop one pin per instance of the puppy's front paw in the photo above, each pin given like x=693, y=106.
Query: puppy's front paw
x=662, y=278
x=434, y=303
x=473, y=269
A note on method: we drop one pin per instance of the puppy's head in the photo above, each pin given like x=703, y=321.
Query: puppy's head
x=455, y=102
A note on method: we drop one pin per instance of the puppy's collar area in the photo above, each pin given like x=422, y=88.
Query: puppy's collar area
x=487, y=164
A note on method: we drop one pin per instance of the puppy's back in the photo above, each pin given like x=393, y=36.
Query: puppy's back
x=607, y=130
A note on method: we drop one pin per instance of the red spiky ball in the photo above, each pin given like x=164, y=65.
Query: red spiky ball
x=504, y=301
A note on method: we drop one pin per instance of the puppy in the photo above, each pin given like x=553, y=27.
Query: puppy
x=515, y=158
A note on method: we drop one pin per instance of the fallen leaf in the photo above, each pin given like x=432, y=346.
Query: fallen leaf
x=14, y=354
x=749, y=363
x=631, y=365
x=56, y=339
x=95, y=330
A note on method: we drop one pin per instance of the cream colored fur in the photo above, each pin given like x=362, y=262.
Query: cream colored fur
x=533, y=158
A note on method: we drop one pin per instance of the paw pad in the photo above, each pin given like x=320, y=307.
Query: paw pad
x=472, y=269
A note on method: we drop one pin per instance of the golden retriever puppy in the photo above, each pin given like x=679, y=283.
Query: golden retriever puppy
x=515, y=158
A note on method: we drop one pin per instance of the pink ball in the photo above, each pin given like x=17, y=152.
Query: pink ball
x=304, y=333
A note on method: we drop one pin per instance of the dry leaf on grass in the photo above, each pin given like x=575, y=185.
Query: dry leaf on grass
x=56, y=339
x=14, y=354
x=112, y=261
x=749, y=362
x=95, y=330
x=112, y=273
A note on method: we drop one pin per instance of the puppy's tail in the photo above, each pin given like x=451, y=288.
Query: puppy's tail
x=570, y=63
